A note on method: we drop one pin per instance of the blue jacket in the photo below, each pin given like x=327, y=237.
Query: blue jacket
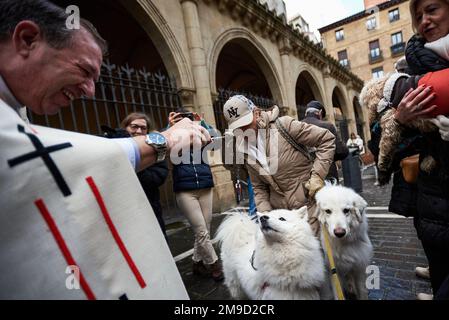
x=193, y=176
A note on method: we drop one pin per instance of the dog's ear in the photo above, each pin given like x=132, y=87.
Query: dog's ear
x=359, y=207
x=302, y=212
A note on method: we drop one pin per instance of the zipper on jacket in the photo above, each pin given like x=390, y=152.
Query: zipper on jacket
x=196, y=175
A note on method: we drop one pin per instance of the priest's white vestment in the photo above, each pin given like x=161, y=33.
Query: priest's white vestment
x=74, y=220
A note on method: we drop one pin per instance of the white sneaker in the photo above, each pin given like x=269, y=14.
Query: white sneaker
x=422, y=272
x=424, y=296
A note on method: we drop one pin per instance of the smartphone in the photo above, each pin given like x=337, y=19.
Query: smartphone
x=187, y=115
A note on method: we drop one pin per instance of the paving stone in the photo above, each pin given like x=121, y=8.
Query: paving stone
x=376, y=294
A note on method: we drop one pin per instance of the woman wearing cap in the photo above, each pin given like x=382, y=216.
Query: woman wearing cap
x=428, y=51
x=282, y=176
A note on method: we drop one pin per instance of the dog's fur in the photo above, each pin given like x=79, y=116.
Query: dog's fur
x=279, y=258
x=342, y=209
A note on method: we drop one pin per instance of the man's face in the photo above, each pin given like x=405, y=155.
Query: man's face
x=432, y=17
x=58, y=76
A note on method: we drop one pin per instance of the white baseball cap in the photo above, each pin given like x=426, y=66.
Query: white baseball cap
x=238, y=111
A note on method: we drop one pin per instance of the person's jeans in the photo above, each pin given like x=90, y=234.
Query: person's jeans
x=252, y=202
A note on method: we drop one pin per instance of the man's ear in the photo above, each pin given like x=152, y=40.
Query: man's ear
x=25, y=37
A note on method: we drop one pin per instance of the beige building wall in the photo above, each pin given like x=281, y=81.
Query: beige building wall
x=357, y=38
x=190, y=34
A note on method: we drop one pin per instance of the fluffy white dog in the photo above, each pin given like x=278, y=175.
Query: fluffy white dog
x=342, y=212
x=279, y=258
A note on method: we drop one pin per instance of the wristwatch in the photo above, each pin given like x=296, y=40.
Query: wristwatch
x=159, y=143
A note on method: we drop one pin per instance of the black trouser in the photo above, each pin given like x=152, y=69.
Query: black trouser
x=438, y=258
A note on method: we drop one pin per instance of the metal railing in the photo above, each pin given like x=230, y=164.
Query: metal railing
x=397, y=49
x=375, y=58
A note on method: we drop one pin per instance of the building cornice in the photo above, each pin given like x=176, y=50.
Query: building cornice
x=269, y=25
x=359, y=15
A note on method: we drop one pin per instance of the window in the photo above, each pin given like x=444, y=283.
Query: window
x=371, y=23
x=396, y=38
x=339, y=35
x=393, y=14
x=343, y=58
x=397, y=44
x=378, y=73
x=374, y=49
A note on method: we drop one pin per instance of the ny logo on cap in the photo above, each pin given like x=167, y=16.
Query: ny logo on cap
x=233, y=112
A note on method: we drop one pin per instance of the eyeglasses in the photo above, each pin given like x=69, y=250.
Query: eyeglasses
x=134, y=127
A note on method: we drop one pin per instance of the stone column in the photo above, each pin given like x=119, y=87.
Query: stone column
x=223, y=190
x=328, y=87
x=198, y=60
x=285, y=50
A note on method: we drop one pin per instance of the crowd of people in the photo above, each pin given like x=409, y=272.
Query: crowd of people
x=399, y=105
x=287, y=161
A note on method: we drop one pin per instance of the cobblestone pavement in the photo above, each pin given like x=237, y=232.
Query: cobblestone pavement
x=397, y=252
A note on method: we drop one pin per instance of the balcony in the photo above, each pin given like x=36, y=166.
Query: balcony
x=397, y=49
x=377, y=58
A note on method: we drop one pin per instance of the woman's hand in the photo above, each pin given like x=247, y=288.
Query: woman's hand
x=173, y=117
x=415, y=104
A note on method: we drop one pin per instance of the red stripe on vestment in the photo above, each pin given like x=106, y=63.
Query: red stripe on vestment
x=62, y=245
x=114, y=232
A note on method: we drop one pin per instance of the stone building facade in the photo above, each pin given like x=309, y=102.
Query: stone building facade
x=370, y=42
x=208, y=47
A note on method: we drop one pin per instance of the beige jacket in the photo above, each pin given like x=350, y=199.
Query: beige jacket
x=285, y=188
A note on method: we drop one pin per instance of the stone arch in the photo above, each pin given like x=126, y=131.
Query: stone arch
x=157, y=28
x=249, y=42
x=150, y=44
x=340, y=92
x=341, y=113
x=307, y=88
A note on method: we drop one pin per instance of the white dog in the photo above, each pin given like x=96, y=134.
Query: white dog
x=342, y=212
x=279, y=258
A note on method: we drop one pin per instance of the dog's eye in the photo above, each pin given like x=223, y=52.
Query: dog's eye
x=282, y=219
x=328, y=211
x=346, y=211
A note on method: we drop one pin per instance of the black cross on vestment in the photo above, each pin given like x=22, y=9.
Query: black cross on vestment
x=44, y=153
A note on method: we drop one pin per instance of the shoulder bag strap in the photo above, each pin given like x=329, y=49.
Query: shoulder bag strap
x=286, y=135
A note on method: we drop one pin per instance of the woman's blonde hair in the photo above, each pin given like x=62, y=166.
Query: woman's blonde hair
x=413, y=4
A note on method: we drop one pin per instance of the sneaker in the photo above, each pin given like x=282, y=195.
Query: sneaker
x=199, y=269
x=424, y=296
x=423, y=272
x=216, y=271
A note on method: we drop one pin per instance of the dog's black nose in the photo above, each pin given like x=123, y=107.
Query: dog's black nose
x=339, y=232
x=264, y=218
